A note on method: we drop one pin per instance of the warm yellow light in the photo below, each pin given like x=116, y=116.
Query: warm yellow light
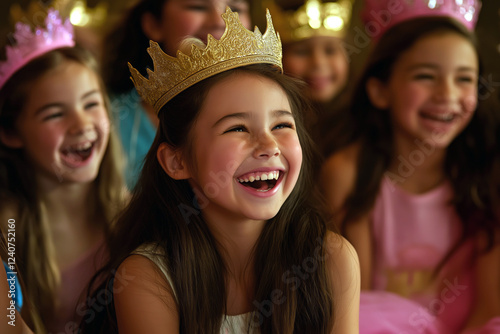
x=78, y=16
x=333, y=23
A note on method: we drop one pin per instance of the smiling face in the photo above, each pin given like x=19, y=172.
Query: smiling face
x=195, y=18
x=432, y=92
x=64, y=127
x=246, y=152
x=321, y=62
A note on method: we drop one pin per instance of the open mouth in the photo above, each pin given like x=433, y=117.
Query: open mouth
x=445, y=118
x=78, y=154
x=261, y=181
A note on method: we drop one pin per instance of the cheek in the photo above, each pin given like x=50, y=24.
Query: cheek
x=293, y=151
x=245, y=21
x=177, y=27
x=470, y=101
x=104, y=124
x=339, y=66
x=294, y=65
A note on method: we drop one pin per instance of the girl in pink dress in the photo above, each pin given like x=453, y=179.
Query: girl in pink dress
x=60, y=184
x=412, y=183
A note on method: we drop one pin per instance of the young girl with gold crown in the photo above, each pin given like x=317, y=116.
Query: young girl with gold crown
x=60, y=184
x=313, y=37
x=411, y=185
x=223, y=234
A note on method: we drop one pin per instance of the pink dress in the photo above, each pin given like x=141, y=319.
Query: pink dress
x=411, y=235
x=72, y=291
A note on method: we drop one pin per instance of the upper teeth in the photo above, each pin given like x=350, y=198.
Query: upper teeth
x=441, y=117
x=82, y=146
x=260, y=176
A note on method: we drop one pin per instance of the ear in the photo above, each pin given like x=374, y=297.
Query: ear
x=151, y=27
x=377, y=92
x=10, y=139
x=172, y=162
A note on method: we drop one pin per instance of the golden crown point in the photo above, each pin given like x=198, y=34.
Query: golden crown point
x=237, y=47
x=314, y=18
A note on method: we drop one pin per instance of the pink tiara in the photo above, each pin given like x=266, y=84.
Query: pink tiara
x=384, y=14
x=30, y=45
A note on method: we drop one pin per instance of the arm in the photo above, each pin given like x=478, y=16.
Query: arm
x=337, y=178
x=145, y=303
x=487, y=273
x=343, y=268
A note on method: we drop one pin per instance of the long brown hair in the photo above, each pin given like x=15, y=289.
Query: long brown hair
x=34, y=247
x=157, y=214
x=469, y=158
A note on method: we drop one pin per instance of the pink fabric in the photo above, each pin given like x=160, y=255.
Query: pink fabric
x=412, y=234
x=387, y=313
x=72, y=290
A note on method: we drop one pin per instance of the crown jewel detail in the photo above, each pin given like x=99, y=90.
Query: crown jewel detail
x=314, y=18
x=392, y=12
x=30, y=45
x=237, y=47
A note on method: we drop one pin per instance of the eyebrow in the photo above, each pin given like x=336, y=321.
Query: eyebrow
x=245, y=115
x=435, y=67
x=58, y=104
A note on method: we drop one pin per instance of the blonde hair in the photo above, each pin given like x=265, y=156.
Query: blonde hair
x=35, y=251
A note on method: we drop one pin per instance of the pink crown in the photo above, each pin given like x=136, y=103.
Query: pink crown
x=30, y=45
x=384, y=14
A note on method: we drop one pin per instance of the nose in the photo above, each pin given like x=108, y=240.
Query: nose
x=214, y=22
x=81, y=122
x=318, y=58
x=266, y=147
x=446, y=91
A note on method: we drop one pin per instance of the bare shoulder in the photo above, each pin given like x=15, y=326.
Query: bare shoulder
x=343, y=266
x=144, y=300
x=338, y=175
x=342, y=258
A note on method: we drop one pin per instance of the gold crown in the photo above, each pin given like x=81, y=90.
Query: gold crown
x=314, y=18
x=237, y=47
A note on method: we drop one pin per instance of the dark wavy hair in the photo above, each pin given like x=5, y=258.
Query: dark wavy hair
x=469, y=158
x=194, y=261
x=126, y=42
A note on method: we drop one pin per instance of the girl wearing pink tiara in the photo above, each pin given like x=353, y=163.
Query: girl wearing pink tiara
x=222, y=234
x=60, y=184
x=412, y=183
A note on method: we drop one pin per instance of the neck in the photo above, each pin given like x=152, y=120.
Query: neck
x=237, y=239
x=67, y=202
x=417, y=166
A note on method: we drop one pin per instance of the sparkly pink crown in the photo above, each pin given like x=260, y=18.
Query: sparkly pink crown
x=30, y=45
x=384, y=14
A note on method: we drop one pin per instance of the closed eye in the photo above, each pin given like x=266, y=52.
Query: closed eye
x=284, y=125
x=91, y=105
x=466, y=79
x=424, y=76
x=53, y=116
x=237, y=128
